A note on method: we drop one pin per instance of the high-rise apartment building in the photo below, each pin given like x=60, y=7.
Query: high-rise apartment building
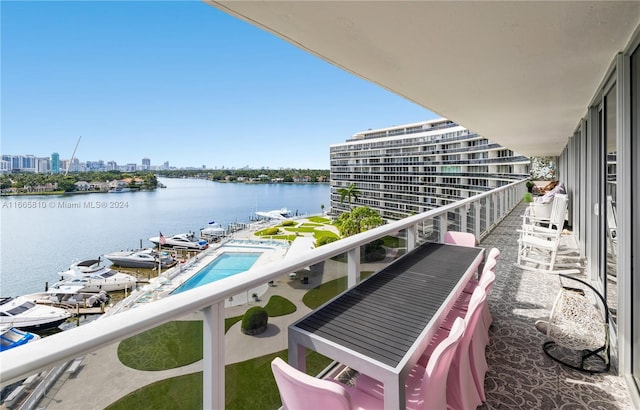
x=409, y=169
x=43, y=165
x=146, y=164
x=55, y=163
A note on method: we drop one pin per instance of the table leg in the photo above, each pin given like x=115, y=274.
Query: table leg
x=297, y=356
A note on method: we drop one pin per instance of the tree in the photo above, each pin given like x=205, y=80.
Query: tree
x=348, y=192
x=322, y=209
x=360, y=219
x=67, y=184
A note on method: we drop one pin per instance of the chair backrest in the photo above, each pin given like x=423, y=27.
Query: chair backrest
x=434, y=383
x=460, y=238
x=491, y=260
x=298, y=390
x=487, y=279
x=559, y=211
x=460, y=377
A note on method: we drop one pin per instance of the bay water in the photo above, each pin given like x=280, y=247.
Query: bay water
x=42, y=235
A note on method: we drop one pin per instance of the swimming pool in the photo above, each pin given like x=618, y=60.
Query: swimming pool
x=227, y=264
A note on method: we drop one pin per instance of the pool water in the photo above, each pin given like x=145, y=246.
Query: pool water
x=227, y=264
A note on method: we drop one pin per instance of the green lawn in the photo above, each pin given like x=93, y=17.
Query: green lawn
x=303, y=229
x=306, y=224
x=322, y=234
x=171, y=345
x=319, y=219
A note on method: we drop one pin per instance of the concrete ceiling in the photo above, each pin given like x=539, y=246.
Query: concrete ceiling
x=521, y=73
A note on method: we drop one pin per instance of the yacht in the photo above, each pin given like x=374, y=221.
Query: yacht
x=213, y=231
x=181, y=240
x=142, y=258
x=23, y=314
x=11, y=337
x=69, y=297
x=95, y=277
x=282, y=213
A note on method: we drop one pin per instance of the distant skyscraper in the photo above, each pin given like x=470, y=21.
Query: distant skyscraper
x=146, y=164
x=166, y=165
x=43, y=165
x=55, y=163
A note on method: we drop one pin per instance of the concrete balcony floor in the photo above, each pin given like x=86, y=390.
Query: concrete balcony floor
x=520, y=374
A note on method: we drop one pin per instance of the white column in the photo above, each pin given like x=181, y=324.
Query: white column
x=213, y=365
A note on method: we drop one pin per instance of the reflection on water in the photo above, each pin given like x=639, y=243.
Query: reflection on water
x=38, y=241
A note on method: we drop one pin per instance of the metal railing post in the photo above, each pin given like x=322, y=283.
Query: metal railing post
x=411, y=237
x=213, y=364
x=353, y=267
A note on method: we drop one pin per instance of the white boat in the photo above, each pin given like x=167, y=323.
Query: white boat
x=213, y=231
x=69, y=297
x=23, y=314
x=96, y=277
x=141, y=258
x=181, y=240
x=282, y=213
x=11, y=337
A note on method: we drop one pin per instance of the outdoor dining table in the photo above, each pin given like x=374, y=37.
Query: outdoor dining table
x=381, y=326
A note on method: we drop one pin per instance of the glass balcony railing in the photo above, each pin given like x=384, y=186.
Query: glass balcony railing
x=184, y=337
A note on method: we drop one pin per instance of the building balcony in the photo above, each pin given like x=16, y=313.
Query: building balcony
x=83, y=367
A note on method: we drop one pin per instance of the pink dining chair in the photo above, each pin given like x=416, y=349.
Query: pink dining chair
x=480, y=340
x=299, y=391
x=489, y=264
x=426, y=387
x=460, y=238
x=462, y=393
x=478, y=358
x=461, y=306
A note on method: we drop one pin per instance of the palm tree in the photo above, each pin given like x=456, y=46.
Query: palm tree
x=348, y=192
x=360, y=219
x=322, y=209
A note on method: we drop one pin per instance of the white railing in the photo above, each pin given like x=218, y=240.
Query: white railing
x=478, y=214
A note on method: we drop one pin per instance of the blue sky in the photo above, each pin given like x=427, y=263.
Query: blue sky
x=174, y=81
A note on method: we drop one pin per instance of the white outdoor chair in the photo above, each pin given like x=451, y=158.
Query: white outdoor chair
x=578, y=326
x=539, y=244
x=539, y=211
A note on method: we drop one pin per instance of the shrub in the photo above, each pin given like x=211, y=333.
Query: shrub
x=271, y=231
x=254, y=321
x=287, y=223
x=325, y=240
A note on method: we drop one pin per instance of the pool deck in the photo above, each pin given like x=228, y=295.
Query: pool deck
x=169, y=280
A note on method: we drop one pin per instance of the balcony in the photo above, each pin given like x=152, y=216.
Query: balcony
x=520, y=375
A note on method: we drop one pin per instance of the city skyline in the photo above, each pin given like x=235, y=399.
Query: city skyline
x=176, y=80
x=102, y=165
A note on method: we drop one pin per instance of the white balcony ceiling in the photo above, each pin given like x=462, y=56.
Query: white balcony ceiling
x=521, y=73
